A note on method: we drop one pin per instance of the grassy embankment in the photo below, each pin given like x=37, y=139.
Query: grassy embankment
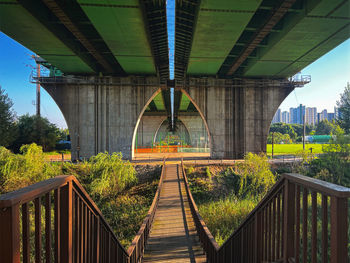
x=281, y=149
x=226, y=195
x=123, y=193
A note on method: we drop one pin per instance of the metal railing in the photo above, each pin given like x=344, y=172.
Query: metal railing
x=301, y=219
x=73, y=229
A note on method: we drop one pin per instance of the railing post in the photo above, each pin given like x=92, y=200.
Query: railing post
x=10, y=233
x=66, y=243
x=339, y=226
x=288, y=220
x=257, y=257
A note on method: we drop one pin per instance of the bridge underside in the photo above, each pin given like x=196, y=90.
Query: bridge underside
x=103, y=114
x=231, y=57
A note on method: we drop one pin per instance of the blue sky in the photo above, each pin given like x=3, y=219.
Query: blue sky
x=329, y=76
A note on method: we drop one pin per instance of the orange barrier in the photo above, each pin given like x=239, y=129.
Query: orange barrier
x=160, y=149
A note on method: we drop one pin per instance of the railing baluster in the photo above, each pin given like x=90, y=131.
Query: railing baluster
x=81, y=223
x=85, y=232
x=265, y=233
x=76, y=228
x=324, y=229
x=278, y=248
x=339, y=225
x=289, y=206
x=25, y=233
x=258, y=238
x=305, y=221
x=274, y=229
x=270, y=232
x=66, y=223
x=97, y=241
x=37, y=220
x=297, y=225
x=48, y=227
x=314, y=227
x=9, y=228
x=57, y=219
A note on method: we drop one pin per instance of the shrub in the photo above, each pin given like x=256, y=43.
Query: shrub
x=20, y=170
x=255, y=175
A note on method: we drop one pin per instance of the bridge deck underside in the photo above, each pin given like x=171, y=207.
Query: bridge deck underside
x=173, y=235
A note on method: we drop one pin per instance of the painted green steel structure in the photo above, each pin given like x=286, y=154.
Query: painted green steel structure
x=130, y=36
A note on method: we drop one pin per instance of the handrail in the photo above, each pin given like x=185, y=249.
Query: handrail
x=207, y=239
x=80, y=230
x=139, y=240
x=273, y=231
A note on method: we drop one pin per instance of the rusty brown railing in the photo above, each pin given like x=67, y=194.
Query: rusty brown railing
x=74, y=229
x=137, y=247
x=301, y=219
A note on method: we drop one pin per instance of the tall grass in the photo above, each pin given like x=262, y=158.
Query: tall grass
x=225, y=215
x=111, y=182
x=20, y=170
x=225, y=198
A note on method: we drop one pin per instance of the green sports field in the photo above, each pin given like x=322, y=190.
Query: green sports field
x=281, y=149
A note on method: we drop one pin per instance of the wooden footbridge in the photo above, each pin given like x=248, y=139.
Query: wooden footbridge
x=300, y=220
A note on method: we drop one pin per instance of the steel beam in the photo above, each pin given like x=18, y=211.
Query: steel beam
x=68, y=23
x=255, y=40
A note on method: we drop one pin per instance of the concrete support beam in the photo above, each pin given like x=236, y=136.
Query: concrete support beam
x=238, y=112
x=104, y=113
x=102, y=116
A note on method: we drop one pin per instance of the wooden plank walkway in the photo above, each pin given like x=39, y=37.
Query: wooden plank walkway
x=173, y=236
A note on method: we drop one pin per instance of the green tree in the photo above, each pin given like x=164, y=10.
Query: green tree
x=7, y=119
x=344, y=108
x=35, y=129
x=334, y=165
x=284, y=128
x=324, y=128
x=279, y=138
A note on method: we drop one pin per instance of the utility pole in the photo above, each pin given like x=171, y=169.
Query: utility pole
x=37, y=86
x=304, y=132
x=272, y=143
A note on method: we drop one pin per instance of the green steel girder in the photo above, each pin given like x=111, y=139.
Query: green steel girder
x=69, y=16
x=166, y=98
x=65, y=17
x=154, y=13
x=177, y=101
x=47, y=39
x=121, y=25
x=185, y=23
x=152, y=106
x=159, y=102
x=220, y=24
x=306, y=36
x=267, y=19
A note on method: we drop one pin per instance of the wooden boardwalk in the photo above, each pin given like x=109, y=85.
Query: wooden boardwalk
x=173, y=236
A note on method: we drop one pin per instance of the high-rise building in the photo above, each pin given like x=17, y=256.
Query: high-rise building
x=300, y=113
x=323, y=115
x=293, y=115
x=277, y=117
x=330, y=116
x=285, y=117
x=311, y=116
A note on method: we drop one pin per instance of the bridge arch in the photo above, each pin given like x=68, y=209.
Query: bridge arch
x=157, y=124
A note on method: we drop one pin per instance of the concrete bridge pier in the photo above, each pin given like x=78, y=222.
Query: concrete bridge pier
x=102, y=113
x=238, y=112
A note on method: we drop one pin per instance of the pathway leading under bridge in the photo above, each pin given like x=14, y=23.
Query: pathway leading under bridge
x=173, y=235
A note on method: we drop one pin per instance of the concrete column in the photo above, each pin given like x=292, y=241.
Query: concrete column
x=101, y=113
x=238, y=112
